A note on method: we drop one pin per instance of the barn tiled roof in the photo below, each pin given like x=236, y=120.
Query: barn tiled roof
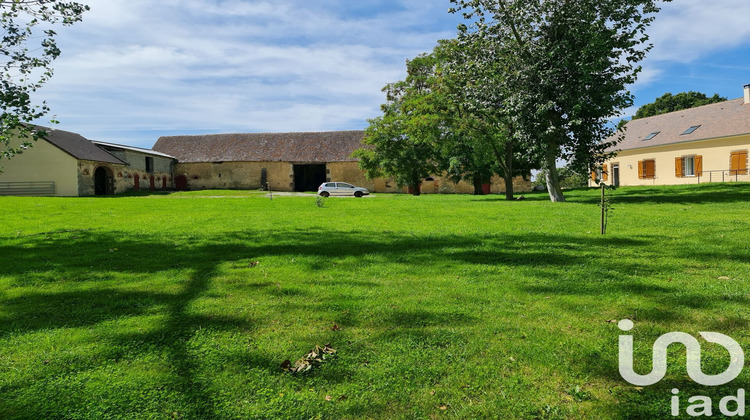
x=724, y=119
x=331, y=146
x=79, y=147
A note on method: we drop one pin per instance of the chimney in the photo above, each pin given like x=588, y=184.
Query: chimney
x=747, y=94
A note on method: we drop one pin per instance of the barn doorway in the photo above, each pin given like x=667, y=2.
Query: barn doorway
x=181, y=183
x=103, y=181
x=309, y=177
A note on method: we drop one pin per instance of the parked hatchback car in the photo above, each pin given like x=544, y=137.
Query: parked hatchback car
x=340, y=188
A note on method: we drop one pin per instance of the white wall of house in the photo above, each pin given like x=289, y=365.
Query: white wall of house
x=715, y=155
x=43, y=162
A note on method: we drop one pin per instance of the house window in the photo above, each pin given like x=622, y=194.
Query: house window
x=652, y=135
x=689, y=165
x=600, y=174
x=149, y=164
x=690, y=130
x=738, y=162
x=647, y=169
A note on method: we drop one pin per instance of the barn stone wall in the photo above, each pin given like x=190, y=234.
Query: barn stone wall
x=280, y=176
x=123, y=176
x=349, y=172
x=236, y=175
x=443, y=185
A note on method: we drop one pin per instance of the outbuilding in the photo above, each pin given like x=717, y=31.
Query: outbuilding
x=67, y=164
x=279, y=161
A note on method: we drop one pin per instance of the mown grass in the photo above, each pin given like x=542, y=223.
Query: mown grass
x=446, y=306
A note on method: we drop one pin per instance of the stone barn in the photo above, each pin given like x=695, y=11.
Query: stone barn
x=67, y=164
x=281, y=161
x=288, y=162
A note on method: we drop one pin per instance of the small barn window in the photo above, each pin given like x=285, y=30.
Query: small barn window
x=149, y=164
x=429, y=178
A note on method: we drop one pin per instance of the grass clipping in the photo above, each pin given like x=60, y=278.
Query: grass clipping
x=316, y=357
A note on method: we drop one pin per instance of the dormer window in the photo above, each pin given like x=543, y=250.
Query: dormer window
x=652, y=135
x=690, y=130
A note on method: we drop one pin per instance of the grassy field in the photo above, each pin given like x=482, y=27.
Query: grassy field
x=186, y=305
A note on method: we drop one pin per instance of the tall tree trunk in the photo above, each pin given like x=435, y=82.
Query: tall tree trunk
x=508, y=172
x=478, y=185
x=505, y=160
x=553, y=182
x=416, y=182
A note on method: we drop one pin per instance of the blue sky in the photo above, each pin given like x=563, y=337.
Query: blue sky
x=134, y=70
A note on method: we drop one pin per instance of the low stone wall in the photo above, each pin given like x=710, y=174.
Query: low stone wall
x=444, y=185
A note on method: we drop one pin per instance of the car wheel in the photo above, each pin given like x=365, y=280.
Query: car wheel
x=358, y=194
x=324, y=194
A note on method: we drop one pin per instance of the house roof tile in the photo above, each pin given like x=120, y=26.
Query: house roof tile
x=332, y=146
x=723, y=119
x=79, y=147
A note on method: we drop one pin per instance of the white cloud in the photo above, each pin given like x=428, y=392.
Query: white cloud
x=686, y=31
x=141, y=66
x=234, y=65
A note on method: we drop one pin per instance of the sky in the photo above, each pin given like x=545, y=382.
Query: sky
x=135, y=70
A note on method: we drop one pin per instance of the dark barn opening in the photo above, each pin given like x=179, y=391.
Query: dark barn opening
x=309, y=177
x=181, y=183
x=103, y=182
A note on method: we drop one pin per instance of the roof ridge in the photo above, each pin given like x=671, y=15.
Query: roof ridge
x=687, y=109
x=264, y=133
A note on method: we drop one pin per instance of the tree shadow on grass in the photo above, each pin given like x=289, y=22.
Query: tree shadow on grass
x=87, y=255
x=708, y=193
x=701, y=194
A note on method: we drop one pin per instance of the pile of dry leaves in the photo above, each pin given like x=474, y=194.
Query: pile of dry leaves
x=317, y=356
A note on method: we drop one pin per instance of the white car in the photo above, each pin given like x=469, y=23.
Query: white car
x=341, y=188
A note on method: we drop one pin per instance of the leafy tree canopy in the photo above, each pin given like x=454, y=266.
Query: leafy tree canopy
x=27, y=49
x=433, y=124
x=670, y=103
x=566, y=65
x=402, y=141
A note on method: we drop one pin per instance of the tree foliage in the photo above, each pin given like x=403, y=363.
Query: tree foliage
x=565, y=66
x=569, y=178
x=431, y=125
x=483, y=119
x=27, y=50
x=402, y=141
x=670, y=103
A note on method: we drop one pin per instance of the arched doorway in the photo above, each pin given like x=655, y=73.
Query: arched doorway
x=151, y=184
x=103, y=181
x=181, y=183
x=136, y=182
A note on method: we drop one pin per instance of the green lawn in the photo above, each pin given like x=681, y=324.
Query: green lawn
x=185, y=305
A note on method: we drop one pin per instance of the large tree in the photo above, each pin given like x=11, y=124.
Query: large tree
x=670, y=103
x=484, y=124
x=566, y=64
x=431, y=123
x=402, y=142
x=27, y=50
